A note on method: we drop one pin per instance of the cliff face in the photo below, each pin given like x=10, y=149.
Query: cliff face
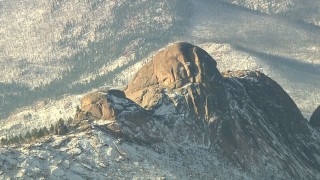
x=243, y=116
x=266, y=127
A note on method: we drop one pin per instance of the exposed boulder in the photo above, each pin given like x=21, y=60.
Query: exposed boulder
x=125, y=117
x=315, y=118
x=99, y=103
x=172, y=68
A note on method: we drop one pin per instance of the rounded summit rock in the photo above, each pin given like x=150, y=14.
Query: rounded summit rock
x=171, y=68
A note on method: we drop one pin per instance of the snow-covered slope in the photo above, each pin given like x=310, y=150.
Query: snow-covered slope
x=74, y=41
x=43, y=35
x=42, y=114
x=97, y=154
x=266, y=6
x=296, y=10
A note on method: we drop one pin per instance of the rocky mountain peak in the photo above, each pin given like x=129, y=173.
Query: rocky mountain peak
x=175, y=66
x=170, y=69
x=179, y=107
x=181, y=98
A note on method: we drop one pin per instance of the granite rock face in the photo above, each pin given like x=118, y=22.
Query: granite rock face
x=172, y=68
x=100, y=103
x=125, y=117
x=244, y=117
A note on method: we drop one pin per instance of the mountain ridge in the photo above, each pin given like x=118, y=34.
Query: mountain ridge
x=240, y=112
x=195, y=123
x=90, y=45
x=94, y=40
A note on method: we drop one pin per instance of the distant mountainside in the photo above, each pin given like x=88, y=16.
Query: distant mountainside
x=52, y=48
x=265, y=6
x=179, y=118
x=297, y=10
x=56, y=36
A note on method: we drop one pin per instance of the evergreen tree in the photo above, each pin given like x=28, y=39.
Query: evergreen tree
x=28, y=135
x=40, y=133
x=21, y=139
x=10, y=140
x=70, y=121
x=61, y=121
x=51, y=129
x=4, y=141
x=60, y=128
x=34, y=133
x=15, y=139
x=78, y=109
x=45, y=131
